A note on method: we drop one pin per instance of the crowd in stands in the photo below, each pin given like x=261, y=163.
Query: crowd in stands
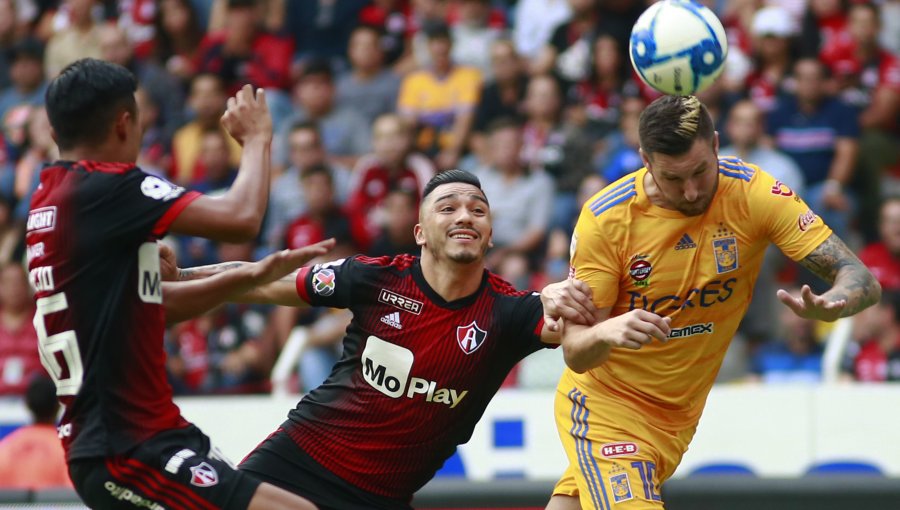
x=370, y=98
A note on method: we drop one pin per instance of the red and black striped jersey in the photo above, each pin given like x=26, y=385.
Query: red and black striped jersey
x=416, y=374
x=94, y=264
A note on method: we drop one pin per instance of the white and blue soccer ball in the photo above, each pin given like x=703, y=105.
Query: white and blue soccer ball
x=678, y=47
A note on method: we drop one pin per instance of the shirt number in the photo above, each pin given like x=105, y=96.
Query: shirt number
x=59, y=352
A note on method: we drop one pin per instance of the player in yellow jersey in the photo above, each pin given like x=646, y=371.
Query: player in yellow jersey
x=683, y=238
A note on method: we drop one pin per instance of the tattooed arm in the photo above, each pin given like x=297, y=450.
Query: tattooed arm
x=270, y=280
x=853, y=287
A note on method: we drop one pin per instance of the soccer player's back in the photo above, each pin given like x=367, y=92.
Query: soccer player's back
x=94, y=263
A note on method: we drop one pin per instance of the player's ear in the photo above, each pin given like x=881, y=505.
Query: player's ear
x=420, y=235
x=53, y=135
x=123, y=119
x=491, y=238
x=716, y=143
x=645, y=158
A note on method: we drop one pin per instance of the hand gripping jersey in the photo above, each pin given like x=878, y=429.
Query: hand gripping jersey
x=697, y=270
x=416, y=374
x=94, y=264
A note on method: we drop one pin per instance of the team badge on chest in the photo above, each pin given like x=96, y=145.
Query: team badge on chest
x=470, y=337
x=725, y=249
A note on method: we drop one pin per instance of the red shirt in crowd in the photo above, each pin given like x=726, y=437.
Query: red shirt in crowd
x=32, y=457
x=268, y=65
x=883, y=265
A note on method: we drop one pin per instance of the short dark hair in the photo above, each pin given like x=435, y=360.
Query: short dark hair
x=40, y=398
x=317, y=67
x=306, y=125
x=83, y=101
x=436, y=30
x=317, y=169
x=671, y=124
x=237, y=4
x=451, y=176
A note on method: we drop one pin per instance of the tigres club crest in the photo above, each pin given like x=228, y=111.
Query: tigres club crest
x=470, y=337
x=726, y=251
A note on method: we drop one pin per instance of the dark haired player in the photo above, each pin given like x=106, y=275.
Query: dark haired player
x=431, y=340
x=94, y=263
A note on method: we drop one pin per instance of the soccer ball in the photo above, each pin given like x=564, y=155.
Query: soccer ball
x=678, y=47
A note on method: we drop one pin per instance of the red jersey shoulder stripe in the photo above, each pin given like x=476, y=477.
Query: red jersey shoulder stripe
x=503, y=287
x=401, y=262
x=106, y=166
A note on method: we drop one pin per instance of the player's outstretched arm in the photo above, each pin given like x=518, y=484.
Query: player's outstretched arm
x=240, y=281
x=237, y=215
x=586, y=347
x=853, y=286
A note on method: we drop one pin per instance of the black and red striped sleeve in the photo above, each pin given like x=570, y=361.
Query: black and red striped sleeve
x=526, y=313
x=330, y=284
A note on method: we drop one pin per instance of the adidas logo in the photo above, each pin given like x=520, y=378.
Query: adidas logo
x=685, y=243
x=392, y=320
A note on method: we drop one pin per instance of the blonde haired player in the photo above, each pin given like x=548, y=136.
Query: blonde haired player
x=682, y=238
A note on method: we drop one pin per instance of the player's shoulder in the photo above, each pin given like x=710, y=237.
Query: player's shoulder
x=612, y=200
x=734, y=168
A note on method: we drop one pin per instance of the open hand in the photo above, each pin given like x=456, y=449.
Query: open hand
x=813, y=306
x=284, y=262
x=247, y=116
x=571, y=300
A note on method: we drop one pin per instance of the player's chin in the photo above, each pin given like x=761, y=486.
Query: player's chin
x=466, y=256
x=694, y=209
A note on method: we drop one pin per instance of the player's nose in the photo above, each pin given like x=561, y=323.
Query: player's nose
x=691, y=191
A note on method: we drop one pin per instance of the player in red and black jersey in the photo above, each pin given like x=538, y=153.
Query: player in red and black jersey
x=94, y=263
x=431, y=340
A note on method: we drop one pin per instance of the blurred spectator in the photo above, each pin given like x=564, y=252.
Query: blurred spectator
x=243, y=53
x=38, y=149
x=136, y=18
x=393, y=19
x=794, y=356
x=561, y=150
x=600, y=95
x=875, y=355
x=207, y=100
x=745, y=128
x=218, y=172
x=890, y=26
x=763, y=79
x=32, y=457
x=824, y=22
x=8, y=38
x=883, y=257
x=535, y=22
x=81, y=39
x=165, y=89
x=19, y=359
x=26, y=71
x=473, y=35
x=11, y=233
x=624, y=156
x=287, y=201
x=501, y=97
x=869, y=78
x=324, y=218
x=569, y=49
x=345, y=134
x=368, y=87
x=426, y=14
x=521, y=198
x=401, y=214
x=820, y=134
x=393, y=165
x=176, y=38
x=154, y=156
x=321, y=28
x=440, y=101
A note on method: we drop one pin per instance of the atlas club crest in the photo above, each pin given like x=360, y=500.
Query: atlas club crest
x=470, y=337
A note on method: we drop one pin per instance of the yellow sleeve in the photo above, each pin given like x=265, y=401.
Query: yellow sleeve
x=406, y=99
x=784, y=217
x=594, y=258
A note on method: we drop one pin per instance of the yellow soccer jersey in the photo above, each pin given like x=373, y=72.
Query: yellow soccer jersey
x=697, y=270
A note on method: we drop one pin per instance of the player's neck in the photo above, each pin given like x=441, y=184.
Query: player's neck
x=451, y=280
x=104, y=152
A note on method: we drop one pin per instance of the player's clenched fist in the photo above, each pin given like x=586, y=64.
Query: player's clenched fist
x=247, y=116
x=633, y=330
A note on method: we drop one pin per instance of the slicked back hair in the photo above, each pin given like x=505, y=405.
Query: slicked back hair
x=448, y=177
x=671, y=125
x=84, y=100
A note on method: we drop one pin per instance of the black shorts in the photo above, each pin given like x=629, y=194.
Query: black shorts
x=279, y=461
x=176, y=469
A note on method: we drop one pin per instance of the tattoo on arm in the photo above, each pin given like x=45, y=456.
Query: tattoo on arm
x=197, y=273
x=835, y=263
